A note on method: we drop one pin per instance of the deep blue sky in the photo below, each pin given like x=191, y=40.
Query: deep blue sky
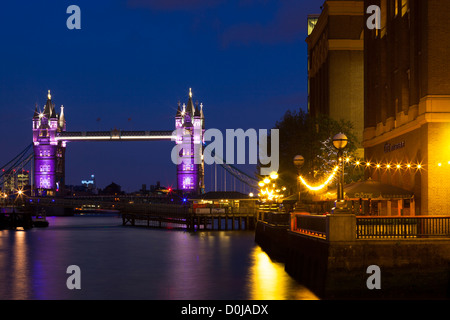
x=244, y=59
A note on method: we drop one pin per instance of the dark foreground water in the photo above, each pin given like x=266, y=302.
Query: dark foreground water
x=123, y=262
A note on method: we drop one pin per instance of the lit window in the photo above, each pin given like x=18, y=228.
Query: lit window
x=44, y=183
x=383, y=17
x=188, y=183
x=405, y=7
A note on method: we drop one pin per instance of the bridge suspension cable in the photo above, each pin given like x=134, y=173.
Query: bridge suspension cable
x=237, y=173
x=19, y=156
x=19, y=161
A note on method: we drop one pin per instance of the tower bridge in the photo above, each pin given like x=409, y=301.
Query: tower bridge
x=50, y=138
x=46, y=153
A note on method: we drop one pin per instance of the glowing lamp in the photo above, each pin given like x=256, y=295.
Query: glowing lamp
x=340, y=141
x=273, y=175
x=299, y=161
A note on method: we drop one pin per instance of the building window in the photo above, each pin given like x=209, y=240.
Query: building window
x=45, y=168
x=44, y=153
x=44, y=183
x=383, y=17
x=405, y=7
x=188, y=183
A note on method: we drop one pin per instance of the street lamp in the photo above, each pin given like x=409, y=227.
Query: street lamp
x=299, y=161
x=270, y=191
x=340, y=141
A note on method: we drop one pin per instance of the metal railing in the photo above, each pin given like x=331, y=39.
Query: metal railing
x=312, y=225
x=274, y=218
x=375, y=227
x=402, y=227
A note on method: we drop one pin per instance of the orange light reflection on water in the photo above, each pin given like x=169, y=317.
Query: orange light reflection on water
x=269, y=281
x=21, y=282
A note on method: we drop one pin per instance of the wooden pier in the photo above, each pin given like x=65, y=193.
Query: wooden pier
x=192, y=222
x=16, y=220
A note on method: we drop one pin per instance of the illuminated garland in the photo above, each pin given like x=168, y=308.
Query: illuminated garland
x=317, y=188
x=365, y=164
x=387, y=166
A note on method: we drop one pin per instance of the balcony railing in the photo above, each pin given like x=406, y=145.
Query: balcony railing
x=402, y=227
x=313, y=225
x=274, y=218
x=377, y=227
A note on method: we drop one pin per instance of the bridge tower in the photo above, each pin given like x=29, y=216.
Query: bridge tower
x=190, y=129
x=49, y=153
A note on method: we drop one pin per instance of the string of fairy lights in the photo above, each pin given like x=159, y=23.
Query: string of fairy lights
x=390, y=166
x=270, y=191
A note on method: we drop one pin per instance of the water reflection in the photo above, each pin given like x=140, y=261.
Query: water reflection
x=14, y=264
x=138, y=263
x=269, y=281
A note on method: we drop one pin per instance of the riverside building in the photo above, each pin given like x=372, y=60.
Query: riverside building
x=407, y=100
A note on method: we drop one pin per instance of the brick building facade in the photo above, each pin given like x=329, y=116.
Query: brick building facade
x=407, y=99
x=336, y=63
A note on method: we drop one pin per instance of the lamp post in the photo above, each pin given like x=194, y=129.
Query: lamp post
x=269, y=190
x=340, y=142
x=299, y=162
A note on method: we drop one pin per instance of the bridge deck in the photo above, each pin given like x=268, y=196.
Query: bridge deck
x=115, y=135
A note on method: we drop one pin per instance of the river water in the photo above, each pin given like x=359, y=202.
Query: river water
x=124, y=262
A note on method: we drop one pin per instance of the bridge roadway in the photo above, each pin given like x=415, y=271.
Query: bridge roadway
x=115, y=134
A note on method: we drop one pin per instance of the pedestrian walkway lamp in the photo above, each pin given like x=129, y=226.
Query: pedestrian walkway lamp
x=299, y=162
x=340, y=141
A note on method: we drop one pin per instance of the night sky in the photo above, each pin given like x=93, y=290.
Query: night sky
x=132, y=61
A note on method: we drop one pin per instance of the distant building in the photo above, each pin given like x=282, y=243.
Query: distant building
x=336, y=63
x=90, y=184
x=23, y=179
x=112, y=189
x=16, y=181
x=407, y=99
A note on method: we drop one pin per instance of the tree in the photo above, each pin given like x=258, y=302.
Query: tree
x=302, y=134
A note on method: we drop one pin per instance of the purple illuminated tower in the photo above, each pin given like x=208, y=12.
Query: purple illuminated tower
x=49, y=153
x=190, y=128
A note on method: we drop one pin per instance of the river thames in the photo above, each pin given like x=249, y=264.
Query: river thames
x=124, y=262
